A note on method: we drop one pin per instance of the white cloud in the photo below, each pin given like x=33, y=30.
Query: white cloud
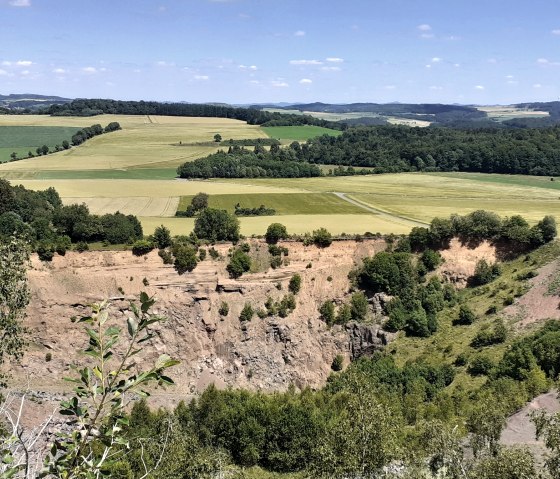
x=24, y=63
x=456, y=65
x=390, y=87
x=306, y=81
x=255, y=82
x=299, y=33
x=201, y=77
x=245, y=67
x=305, y=62
x=89, y=70
x=330, y=69
x=20, y=3
x=479, y=87
x=556, y=31
x=427, y=35
x=279, y=84
x=163, y=63
x=25, y=72
x=436, y=60
x=509, y=77
x=335, y=60
x=542, y=61
x=3, y=72
x=537, y=85
x=436, y=88
x=492, y=60
x=59, y=71
x=6, y=63
x=424, y=27
x=428, y=66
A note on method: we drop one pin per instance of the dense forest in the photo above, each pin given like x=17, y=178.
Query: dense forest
x=40, y=218
x=92, y=107
x=394, y=149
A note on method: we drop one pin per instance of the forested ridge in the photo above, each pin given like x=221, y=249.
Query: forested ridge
x=395, y=149
x=92, y=107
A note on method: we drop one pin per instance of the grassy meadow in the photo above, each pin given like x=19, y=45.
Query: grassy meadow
x=133, y=171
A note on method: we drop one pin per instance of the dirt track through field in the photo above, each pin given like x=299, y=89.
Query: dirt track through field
x=399, y=219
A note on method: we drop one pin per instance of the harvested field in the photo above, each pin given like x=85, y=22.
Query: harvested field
x=131, y=205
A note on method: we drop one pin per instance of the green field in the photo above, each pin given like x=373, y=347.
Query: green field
x=283, y=203
x=133, y=170
x=23, y=139
x=298, y=133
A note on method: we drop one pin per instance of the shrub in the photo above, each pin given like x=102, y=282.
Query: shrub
x=327, y=312
x=202, y=254
x=185, y=258
x=166, y=256
x=461, y=360
x=338, y=363
x=224, y=309
x=480, y=365
x=145, y=282
x=275, y=232
x=496, y=335
x=48, y=357
x=508, y=300
x=45, y=251
x=239, y=263
x=142, y=247
x=295, y=284
x=213, y=253
x=466, y=315
x=247, y=313
x=344, y=314
x=82, y=246
x=359, y=306
x=322, y=238
x=62, y=244
x=276, y=262
x=430, y=259
x=484, y=273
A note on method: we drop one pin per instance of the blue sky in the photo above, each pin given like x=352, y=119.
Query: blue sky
x=245, y=51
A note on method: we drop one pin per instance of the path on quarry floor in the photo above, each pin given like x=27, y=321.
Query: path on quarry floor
x=377, y=211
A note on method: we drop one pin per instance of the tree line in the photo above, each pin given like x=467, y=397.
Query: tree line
x=92, y=107
x=41, y=219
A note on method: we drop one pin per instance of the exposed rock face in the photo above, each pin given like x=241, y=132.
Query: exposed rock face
x=261, y=354
x=366, y=339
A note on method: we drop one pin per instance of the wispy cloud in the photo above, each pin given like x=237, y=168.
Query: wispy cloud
x=390, y=87
x=537, y=85
x=59, y=71
x=20, y=3
x=89, y=70
x=3, y=72
x=479, y=87
x=335, y=60
x=436, y=60
x=436, y=88
x=299, y=33
x=556, y=31
x=306, y=81
x=546, y=61
x=330, y=69
x=202, y=77
x=425, y=31
x=251, y=67
x=279, y=84
x=305, y=62
x=24, y=63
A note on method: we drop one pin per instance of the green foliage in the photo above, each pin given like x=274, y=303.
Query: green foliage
x=185, y=258
x=490, y=335
x=14, y=298
x=275, y=232
x=344, y=314
x=45, y=251
x=162, y=237
x=484, y=273
x=322, y=238
x=359, y=306
x=337, y=363
x=430, y=259
x=239, y=263
x=327, y=312
x=247, y=313
x=166, y=256
x=466, y=316
x=216, y=225
x=224, y=309
x=480, y=365
x=97, y=410
x=142, y=247
x=295, y=284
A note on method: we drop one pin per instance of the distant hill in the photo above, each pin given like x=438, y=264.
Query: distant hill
x=30, y=101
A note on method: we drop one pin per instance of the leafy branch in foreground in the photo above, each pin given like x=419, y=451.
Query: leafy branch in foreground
x=97, y=410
